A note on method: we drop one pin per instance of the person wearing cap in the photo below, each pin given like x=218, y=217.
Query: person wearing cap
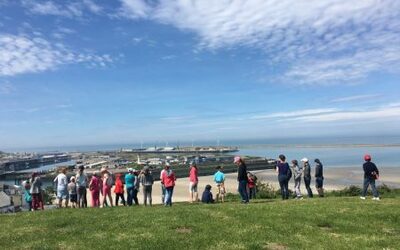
x=282, y=167
x=81, y=183
x=168, y=179
x=298, y=172
x=62, y=187
x=72, y=190
x=147, y=180
x=371, y=173
x=95, y=187
x=193, y=182
x=307, y=176
x=130, y=185
x=242, y=179
x=319, y=178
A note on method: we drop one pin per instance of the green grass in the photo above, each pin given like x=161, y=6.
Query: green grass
x=329, y=223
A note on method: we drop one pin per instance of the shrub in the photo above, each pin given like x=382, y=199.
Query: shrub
x=266, y=191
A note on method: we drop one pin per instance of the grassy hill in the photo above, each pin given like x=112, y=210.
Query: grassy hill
x=329, y=223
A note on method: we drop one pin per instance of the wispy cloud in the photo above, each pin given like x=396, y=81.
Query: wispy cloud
x=322, y=42
x=355, y=98
x=24, y=54
x=293, y=114
x=69, y=9
x=6, y=88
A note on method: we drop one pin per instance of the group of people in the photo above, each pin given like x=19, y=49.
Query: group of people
x=101, y=183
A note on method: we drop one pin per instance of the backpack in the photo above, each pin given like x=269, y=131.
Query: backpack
x=110, y=181
x=289, y=173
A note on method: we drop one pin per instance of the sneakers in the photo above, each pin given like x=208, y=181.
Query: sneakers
x=362, y=197
x=376, y=198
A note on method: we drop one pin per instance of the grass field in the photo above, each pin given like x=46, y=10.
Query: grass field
x=329, y=223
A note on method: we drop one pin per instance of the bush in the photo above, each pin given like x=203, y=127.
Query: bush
x=266, y=191
x=48, y=195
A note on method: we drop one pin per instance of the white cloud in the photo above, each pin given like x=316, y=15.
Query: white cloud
x=24, y=54
x=322, y=42
x=69, y=9
x=298, y=113
x=355, y=98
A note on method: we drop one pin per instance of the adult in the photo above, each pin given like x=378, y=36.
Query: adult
x=147, y=180
x=106, y=187
x=319, y=178
x=193, y=182
x=371, y=173
x=36, y=191
x=307, y=176
x=130, y=185
x=298, y=172
x=282, y=167
x=82, y=183
x=168, y=179
x=163, y=191
x=119, y=190
x=136, y=187
x=242, y=178
x=95, y=187
x=62, y=187
x=219, y=179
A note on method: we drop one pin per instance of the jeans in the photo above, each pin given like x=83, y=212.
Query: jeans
x=367, y=182
x=243, y=190
x=130, y=195
x=162, y=193
x=307, y=181
x=297, y=183
x=319, y=182
x=284, y=184
x=147, y=195
x=117, y=196
x=82, y=201
x=252, y=193
x=168, y=196
x=134, y=193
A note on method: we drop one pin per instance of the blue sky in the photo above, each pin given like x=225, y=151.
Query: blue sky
x=87, y=72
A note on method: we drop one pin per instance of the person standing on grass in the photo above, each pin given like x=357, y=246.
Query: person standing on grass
x=319, y=177
x=168, y=178
x=371, y=173
x=147, y=180
x=95, y=187
x=107, y=185
x=298, y=172
x=81, y=183
x=62, y=187
x=130, y=185
x=283, y=168
x=242, y=179
x=163, y=191
x=136, y=187
x=73, y=194
x=219, y=179
x=27, y=194
x=36, y=191
x=119, y=190
x=193, y=182
x=307, y=176
x=251, y=183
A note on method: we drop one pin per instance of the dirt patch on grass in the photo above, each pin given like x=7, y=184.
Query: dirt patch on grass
x=276, y=246
x=325, y=225
x=183, y=230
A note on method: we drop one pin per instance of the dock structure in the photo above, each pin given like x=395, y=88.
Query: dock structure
x=180, y=150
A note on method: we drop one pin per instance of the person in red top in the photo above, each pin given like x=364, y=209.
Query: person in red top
x=119, y=190
x=251, y=184
x=193, y=181
x=168, y=178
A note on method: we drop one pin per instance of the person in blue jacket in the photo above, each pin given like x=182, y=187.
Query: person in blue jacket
x=207, y=196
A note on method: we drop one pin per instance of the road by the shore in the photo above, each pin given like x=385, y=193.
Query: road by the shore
x=335, y=178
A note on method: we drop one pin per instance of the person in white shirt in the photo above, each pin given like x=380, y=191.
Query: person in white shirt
x=62, y=187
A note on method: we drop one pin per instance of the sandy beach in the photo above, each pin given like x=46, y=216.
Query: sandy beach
x=335, y=178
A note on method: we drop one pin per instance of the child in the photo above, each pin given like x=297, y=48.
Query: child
x=95, y=187
x=27, y=194
x=219, y=179
x=72, y=190
x=207, y=196
x=119, y=190
x=251, y=183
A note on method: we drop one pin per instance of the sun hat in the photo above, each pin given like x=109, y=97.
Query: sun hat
x=367, y=157
x=304, y=159
x=130, y=169
x=237, y=159
x=72, y=178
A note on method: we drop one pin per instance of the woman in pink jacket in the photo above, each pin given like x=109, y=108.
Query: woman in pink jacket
x=168, y=178
x=95, y=187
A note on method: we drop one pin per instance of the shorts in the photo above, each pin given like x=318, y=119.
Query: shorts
x=62, y=194
x=220, y=188
x=73, y=197
x=193, y=187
